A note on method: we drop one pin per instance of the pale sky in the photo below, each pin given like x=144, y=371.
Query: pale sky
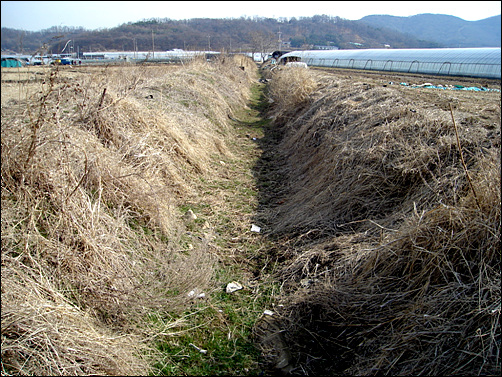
x=38, y=15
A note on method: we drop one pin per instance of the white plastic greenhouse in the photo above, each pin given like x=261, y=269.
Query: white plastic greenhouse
x=472, y=62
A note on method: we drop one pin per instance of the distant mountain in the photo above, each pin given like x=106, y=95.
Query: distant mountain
x=448, y=31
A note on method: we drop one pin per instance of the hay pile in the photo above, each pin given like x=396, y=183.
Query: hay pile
x=391, y=228
x=95, y=170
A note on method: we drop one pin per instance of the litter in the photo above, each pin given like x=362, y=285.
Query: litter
x=233, y=286
x=198, y=348
x=268, y=312
x=194, y=293
x=255, y=228
x=190, y=216
x=450, y=87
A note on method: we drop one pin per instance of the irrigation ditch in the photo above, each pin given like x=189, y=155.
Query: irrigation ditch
x=195, y=220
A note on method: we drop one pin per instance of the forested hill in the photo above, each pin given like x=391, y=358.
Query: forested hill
x=449, y=31
x=237, y=34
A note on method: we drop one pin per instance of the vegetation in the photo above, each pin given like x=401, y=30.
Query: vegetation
x=388, y=210
x=379, y=208
x=99, y=167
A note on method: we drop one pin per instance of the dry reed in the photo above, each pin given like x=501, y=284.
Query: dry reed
x=95, y=168
x=397, y=266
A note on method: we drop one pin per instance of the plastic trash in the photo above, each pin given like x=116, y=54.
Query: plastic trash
x=233, y=286
x=195, y=293
x=198, y=348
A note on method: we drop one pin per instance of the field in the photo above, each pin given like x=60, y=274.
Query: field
x=378, y=206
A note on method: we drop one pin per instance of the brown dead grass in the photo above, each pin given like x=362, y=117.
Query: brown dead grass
x=291, y=87
x=393, y=257
x=95, y=166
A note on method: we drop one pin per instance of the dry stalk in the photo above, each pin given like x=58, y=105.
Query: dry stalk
x=462, y=157
x=37, y=123
x=389, y=258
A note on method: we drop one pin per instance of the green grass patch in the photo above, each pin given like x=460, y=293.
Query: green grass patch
x=217, y=333
x=220, y=342
x=251, y=117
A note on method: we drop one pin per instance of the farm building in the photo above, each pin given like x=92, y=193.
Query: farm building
x=471, y=62
x=11, y=62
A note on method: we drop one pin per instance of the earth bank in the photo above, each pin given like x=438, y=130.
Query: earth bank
x=388, y=219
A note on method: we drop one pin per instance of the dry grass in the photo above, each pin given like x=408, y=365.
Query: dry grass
x=43, y=333
x=390, y=230
x=396, y=257
x=96, y=165
x=291, y=87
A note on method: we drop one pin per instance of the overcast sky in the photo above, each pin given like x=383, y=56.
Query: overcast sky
x=38, y=15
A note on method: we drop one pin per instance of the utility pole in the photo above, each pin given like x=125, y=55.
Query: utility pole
x=280, y=41
x=153, y=46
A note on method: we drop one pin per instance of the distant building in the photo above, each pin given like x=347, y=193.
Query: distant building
x=316, y=47
x=93, y=56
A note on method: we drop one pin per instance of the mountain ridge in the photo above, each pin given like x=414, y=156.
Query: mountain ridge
x=246, y=33
x=449, y=31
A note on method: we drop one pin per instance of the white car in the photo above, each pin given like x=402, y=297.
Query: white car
x=297, y=64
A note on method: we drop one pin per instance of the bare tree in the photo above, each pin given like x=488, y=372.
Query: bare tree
x=262, y=43
x=22, y=34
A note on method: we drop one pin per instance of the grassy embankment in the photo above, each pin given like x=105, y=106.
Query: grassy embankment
x=389, y=224
x=99, y=169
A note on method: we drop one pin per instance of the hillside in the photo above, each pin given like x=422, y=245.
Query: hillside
x=446, y=30
x=258, y=34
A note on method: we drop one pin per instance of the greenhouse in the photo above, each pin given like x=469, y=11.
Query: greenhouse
x=471, y=62
x=11, y=62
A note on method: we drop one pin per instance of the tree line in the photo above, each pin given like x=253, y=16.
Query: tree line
x=230, y=34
